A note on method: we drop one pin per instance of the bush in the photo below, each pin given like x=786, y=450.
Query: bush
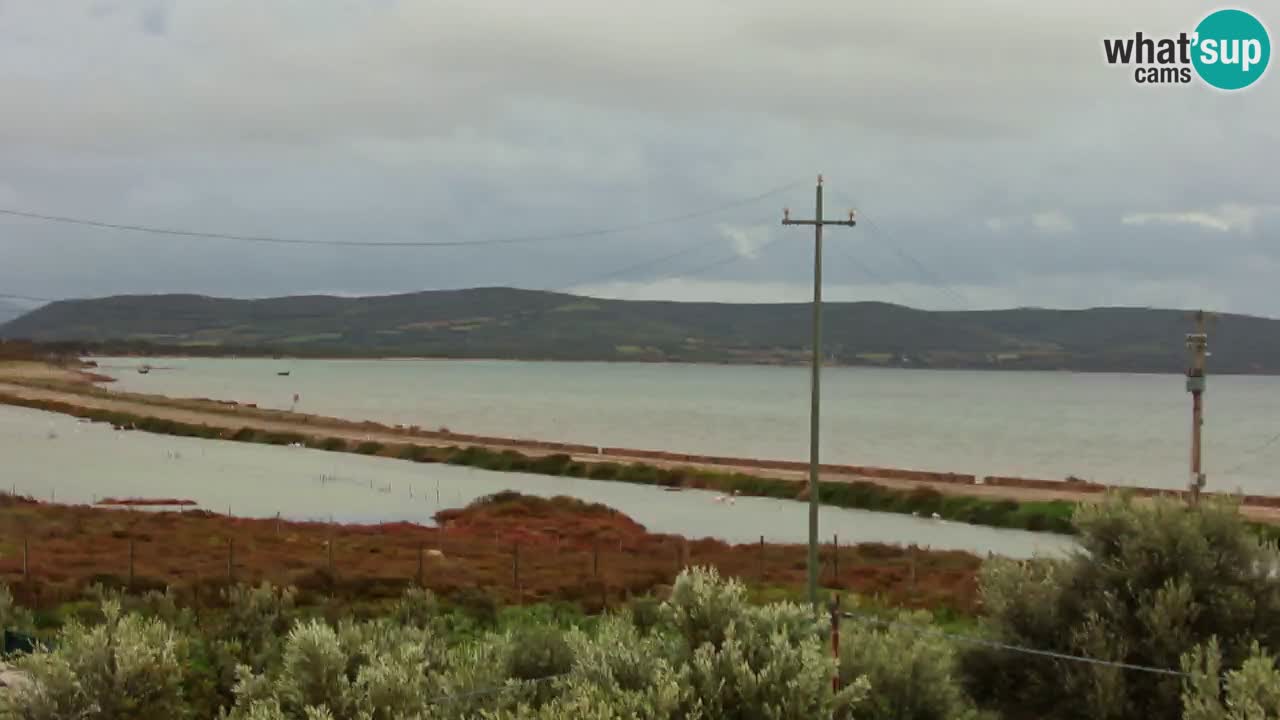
x=255, y=620
x=416, y=608
x=13, y=617
x=1151, y=583
x=741, y=656
x=604, y=471
x=360, y=674
x=550, y=464
x=127, y=667
x=333, y=444
x=478, y=605
x=369, y=447
x=1252, y=692
x=646, y=613
x=535, y=654
x=912, y=674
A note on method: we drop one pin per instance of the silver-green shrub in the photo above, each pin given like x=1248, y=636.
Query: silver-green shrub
x=912, y=671
x=1153, y=580
x=126, y=667
x=1252, y=692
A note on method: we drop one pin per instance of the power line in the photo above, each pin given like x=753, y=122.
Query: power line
x=723, y=261
x=993, y=644
x=896, y=247
x=645, y=264
x=269, y=239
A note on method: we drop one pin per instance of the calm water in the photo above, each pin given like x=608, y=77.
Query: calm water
x=54, y=456
x=1114, y=428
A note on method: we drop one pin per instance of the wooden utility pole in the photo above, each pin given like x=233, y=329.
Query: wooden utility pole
x=1198, y=344
x=815, y=383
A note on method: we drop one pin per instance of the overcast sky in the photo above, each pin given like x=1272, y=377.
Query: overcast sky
x=995, y=158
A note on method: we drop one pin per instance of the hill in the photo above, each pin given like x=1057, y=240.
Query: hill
x=527, y=324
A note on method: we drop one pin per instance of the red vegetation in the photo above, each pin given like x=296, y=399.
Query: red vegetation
x=518, y=548
x=147, y=502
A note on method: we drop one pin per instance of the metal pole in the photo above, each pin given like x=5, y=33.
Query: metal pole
x=1197, y=343
x=815, y=387
x=815, y=395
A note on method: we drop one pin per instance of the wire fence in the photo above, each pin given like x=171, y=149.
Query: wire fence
x=50, y=554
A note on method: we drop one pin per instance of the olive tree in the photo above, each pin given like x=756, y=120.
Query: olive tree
x=1151, y=581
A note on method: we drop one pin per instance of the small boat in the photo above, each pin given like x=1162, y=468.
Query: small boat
x=143, y=370
x=283, y=373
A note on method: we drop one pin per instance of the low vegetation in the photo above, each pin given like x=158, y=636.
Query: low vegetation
x=507, y=548
x=1166, y=611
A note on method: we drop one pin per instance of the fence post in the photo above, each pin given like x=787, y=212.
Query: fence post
x=760, y=580
x=277, y=524
x=835, y=560
x=913, y=567
x=420, y=577
x=515, y=569
x=835, y=640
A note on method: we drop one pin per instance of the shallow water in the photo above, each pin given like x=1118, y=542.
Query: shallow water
x=52, y=456
x=1116, y=428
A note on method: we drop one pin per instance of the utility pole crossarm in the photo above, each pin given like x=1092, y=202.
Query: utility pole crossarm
x=815, y=394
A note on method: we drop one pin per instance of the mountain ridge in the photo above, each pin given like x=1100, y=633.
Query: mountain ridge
x=497, y=322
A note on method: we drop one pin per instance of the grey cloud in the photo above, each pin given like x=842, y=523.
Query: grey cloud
x=988, y=141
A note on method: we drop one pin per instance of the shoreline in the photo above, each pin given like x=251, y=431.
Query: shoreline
x=632, y=361
x=73, y=392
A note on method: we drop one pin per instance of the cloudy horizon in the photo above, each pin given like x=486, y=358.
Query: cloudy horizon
x=994, y=157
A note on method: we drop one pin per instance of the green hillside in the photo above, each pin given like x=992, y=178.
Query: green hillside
x=509, y=323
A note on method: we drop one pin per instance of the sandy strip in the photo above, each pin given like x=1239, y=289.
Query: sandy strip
x=76, y=388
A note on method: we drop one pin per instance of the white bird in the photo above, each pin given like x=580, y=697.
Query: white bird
x=915, y=514
x=936, y=516
x=718, y=498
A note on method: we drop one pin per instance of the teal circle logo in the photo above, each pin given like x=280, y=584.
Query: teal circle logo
x=1232, y=49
